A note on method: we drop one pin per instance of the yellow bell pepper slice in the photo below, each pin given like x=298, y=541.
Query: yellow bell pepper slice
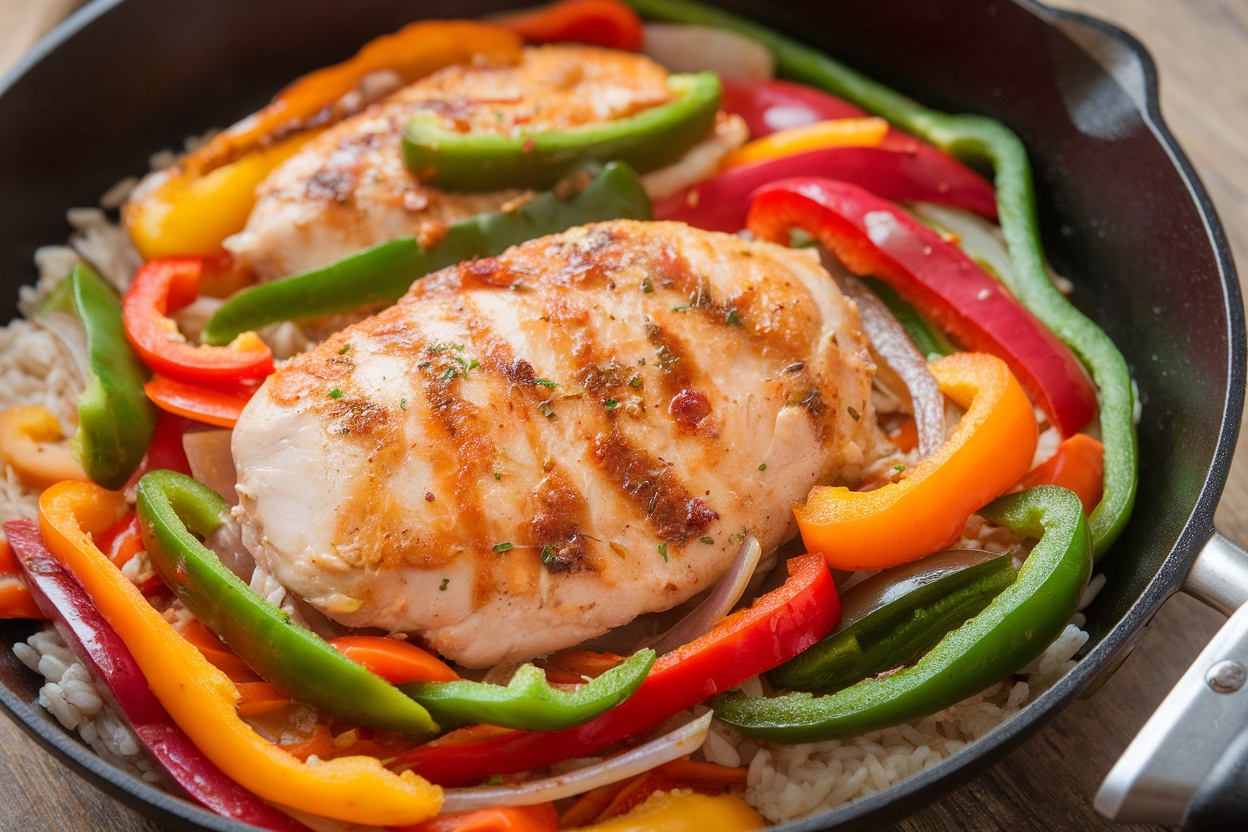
x=681, y=811
x=32, y=444
x=838, y=132
x=209, y=194
x=201, y=699
x=989, y=450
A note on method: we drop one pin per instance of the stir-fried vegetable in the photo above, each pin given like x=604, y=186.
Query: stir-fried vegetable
x=647, y=140
x=383, y=273
x=1011, y=631
x=32, y=444
x=604, y=23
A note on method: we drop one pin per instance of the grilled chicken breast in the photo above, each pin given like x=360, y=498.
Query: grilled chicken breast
x=531, y=449
x=348, y=188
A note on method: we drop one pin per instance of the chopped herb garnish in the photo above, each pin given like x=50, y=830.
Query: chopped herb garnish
x=641, y=361
x=732, y=317
x=438, y=349
x=503, y=547
x=646, y=285
x=762, y=466
x=548, y=553
x=545, y=382
x=402, y=404
x=345, y=431
x=684, y=308
x=445, y=583
x=345, y=349
x=899, y=468
x=545, y=409
x=635, y=382
x=335, y=393
x=708, y=540
x=497, y=475
x=611, y=404
x=663, y=551
x=422, y=365
x=474, y=364
x=495, y=779
x=853, y=414
x=449, y=374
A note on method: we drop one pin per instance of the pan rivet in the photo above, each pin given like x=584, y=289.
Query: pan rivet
x=1226, y=676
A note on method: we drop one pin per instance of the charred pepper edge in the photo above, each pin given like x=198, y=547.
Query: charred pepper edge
x=384, y=272
x=173, y=508
x=977, y=139
x=1015, y=628
x=528, y=701
x=115, y=419
x=650, y=139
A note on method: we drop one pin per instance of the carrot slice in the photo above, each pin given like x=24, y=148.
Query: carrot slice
x=395, y=661
x=539, y=818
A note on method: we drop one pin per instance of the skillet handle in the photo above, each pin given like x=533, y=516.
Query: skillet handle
x=1187, y=765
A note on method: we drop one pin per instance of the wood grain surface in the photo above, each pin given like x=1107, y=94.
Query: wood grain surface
x=1201, y=47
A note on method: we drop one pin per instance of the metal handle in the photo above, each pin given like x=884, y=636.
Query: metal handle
x=1189, y=735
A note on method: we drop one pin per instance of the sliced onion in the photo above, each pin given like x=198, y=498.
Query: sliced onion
x=888, y=585
x=899, y=356
x=979, y=238
x=703, y=618
x=684, y=740
x=208, y=452
x=683, y=48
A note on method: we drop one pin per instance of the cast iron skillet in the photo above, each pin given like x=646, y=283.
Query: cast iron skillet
x=1124, y=217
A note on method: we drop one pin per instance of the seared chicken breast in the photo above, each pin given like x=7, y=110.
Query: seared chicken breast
x=349, y=188
x=531, y=449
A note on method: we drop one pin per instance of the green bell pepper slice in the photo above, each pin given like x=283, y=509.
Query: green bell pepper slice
x=898, y=633
x=653, y=138
x=1012, y=630
x=384, y=272
x=929, y=340
x=528, y=701
x=173, y=509
x=976, y=139
x=115, y=418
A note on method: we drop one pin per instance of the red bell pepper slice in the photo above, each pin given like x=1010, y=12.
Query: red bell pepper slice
x=164, y=286
x=61, y=598
x=1078, y=465
x=220, y=407
x=775, y=628
x=874, y=237
x=721, y=202
x=607, y=23
x=770, y=106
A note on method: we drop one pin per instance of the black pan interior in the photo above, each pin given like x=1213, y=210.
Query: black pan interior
x=1123, y=217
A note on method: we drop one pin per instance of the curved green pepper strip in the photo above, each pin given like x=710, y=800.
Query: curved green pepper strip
x=976, y=139
x=383, y=273
x=528, y=701
x=1011, y=631
x=173, y=508
x=896, y=634
x=115, y=419
x=650, y=139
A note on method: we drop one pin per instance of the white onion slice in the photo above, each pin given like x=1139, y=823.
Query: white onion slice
x=683, y=48
x=684, y=740
x=979, y=238
x=208, y=452
x=703, y=618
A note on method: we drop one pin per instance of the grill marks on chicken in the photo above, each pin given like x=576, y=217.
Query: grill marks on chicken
x=531, y=449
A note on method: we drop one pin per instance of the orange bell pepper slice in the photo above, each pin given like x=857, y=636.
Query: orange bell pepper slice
x=211, y=405
x=1078, y=464
x=31, y=443
x=202, y=699
x=840, y=132
x=395, y=661
x=989, y=450
x=209, y=194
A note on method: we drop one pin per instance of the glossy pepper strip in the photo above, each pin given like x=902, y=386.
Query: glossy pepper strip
x=200, y=698
x=775, y=628
x=899, y=632
x=683, y=812
x=171, y=506
x=165, y=286
x=646, y=140
x=606, y=23
x=841, y=132
x=1078, y=464
x=115, y=419
x=977, y=139
x=874, y=237
x=209, y=194
x=988, y=451
x=31, y=444
x=220, y=406
x=1011, y=631
x=528, y=701
x=383, y=273
x=94, y=642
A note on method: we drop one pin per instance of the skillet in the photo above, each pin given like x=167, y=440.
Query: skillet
x=1124, y=217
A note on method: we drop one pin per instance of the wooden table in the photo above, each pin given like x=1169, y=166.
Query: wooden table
x=1047, y=783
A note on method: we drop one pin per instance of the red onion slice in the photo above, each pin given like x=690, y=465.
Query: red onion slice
x=684, y=740
x=208, y=452
x=888, y=585
x=703, y=618
x=102, y=650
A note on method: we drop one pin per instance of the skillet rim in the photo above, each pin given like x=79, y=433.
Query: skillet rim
x=923, y=787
